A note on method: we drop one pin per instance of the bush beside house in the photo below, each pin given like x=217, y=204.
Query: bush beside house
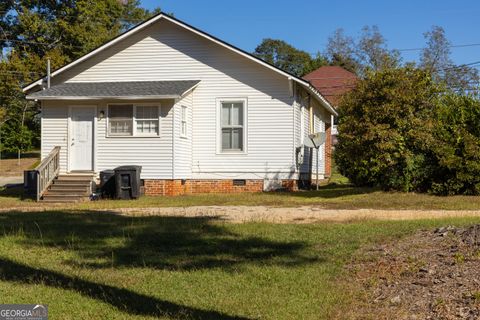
x=400, y=130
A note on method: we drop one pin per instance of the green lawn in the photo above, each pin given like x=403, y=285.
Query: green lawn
x=331, y=196
x=88, y=265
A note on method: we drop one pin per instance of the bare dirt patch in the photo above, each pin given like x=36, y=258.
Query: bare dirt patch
x=299, y=215
x=10, y=167
x=431, y=275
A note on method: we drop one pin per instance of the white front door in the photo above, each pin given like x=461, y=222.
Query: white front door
x=81, y=137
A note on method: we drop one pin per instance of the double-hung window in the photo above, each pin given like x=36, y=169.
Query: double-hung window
x=133, y=120
x=120, y=120
x=232, y=126
x=184, y=122
x=146, y=118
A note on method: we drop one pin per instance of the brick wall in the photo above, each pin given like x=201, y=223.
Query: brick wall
x=179, y=187
x=328, y=150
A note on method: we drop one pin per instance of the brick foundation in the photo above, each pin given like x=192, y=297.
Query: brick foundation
x=328, y=150
x=183, y=187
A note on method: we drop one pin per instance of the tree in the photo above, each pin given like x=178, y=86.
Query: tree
x=288, y=58
x=385, y=128
x=368, y=52
x=373, y=52
x=341, y=51
x=33, y=31
x=436, y=55
x=435, y=58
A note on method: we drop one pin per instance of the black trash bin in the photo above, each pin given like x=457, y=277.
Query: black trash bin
x=127, y=182
x=30, y=182
x=107, y=183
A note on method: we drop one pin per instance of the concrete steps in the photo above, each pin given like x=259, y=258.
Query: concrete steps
x=68, y=188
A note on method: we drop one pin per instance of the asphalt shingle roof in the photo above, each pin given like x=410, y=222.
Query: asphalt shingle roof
x=171, y=89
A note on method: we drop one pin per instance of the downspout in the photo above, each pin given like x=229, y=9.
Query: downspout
x=294, y=104
x=173, y=137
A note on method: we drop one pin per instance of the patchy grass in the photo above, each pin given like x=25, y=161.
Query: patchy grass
x=331, y=196
x=10, y=166
x=90, y=265
x=338, y=194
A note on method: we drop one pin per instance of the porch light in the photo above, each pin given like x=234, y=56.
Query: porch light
x=101, y=115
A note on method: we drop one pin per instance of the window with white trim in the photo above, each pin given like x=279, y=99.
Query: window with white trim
x=147, y=120
x=133, y=120
x=120, y=120
x=184, y=121
x=232, y=126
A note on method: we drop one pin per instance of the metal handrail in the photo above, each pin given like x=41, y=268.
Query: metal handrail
x=47, y=171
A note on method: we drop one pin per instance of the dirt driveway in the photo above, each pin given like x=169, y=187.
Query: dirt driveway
x=306, y=214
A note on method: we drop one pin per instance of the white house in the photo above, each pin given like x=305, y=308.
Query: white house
x=198, y=114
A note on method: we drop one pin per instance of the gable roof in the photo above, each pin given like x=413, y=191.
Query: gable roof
x=116, y=90
x=184, y=25
x=332, y=82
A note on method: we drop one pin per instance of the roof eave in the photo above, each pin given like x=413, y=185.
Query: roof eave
x=156, y=97
x=321, y=99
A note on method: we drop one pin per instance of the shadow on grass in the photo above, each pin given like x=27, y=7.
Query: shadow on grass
x=104, y=240
x=123, y=299
x=14, y=192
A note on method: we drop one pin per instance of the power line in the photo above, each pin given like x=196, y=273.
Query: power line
x=86, y=17
x=342, y=78
x=20, y=72
x=423, y=48
x=451, y=46
x=43, y=43
x=460, y=66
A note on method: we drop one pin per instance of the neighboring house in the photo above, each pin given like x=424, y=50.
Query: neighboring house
x=198, y=114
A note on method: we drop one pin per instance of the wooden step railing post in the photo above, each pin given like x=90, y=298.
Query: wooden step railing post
x=47, y=171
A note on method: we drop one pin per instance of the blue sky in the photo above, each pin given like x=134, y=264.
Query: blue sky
x=306, y=24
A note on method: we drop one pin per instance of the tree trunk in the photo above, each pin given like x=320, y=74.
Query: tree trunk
x=21, y=128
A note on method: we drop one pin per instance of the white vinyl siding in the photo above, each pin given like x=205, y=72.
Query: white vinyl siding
x=54, y=131
x=183, y=143
x=153, y=154
x=165, y=51
x=309, y=154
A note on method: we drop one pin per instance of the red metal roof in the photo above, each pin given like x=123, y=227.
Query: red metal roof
x=332, y=82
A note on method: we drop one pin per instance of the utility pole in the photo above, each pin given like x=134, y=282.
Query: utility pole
x=48, y=73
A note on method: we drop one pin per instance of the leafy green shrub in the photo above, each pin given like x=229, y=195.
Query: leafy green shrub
x=456, y=145
x=385, y=129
